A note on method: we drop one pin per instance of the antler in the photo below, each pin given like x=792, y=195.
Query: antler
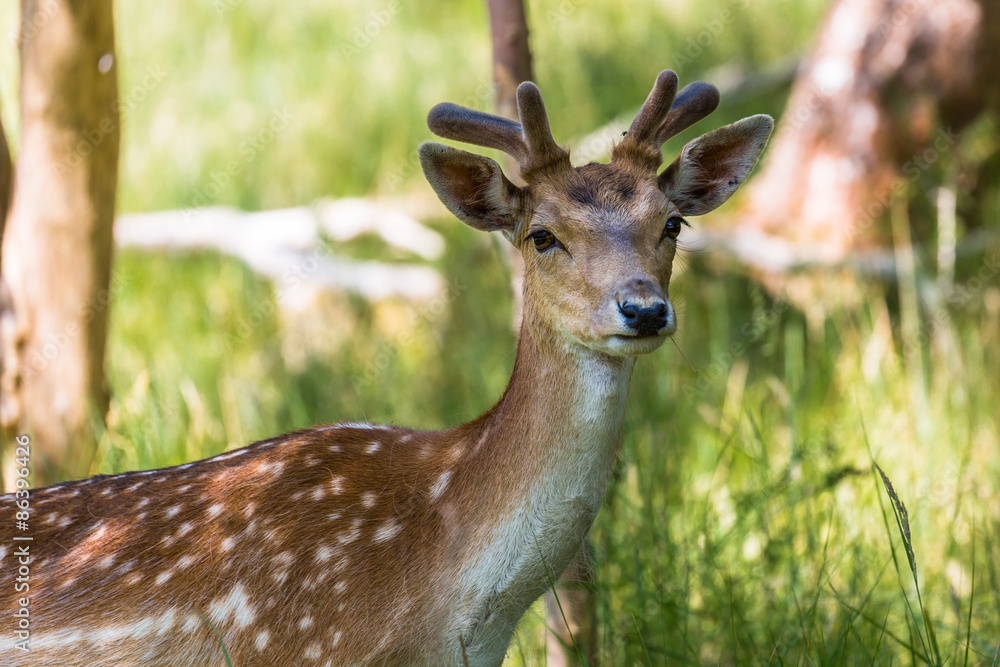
x=665, y=114
x=529, y=142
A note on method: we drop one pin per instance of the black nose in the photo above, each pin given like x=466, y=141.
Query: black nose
x=646, y=321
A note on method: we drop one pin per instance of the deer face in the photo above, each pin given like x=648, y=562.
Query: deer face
x=598, y=248
x=598, y=241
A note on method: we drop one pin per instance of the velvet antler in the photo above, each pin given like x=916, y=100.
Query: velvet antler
x=666, y=113
x=529, y=142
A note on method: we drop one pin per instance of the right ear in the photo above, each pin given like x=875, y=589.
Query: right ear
x=472, y=187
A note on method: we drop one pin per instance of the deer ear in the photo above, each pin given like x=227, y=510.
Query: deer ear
x=472, y=187
x=711, y=167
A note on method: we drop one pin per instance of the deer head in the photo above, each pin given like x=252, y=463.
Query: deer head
x=598, y=240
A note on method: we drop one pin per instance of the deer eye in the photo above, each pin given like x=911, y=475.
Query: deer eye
x=672, y=229
x=543, y=240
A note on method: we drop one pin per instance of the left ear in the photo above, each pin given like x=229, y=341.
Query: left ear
x=710, y=168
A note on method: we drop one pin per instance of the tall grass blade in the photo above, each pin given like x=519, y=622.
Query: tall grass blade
x=218, y=635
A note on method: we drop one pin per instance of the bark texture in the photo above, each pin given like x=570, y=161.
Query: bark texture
x=886, y=91
x=6, y=176
x=511, y=54
x=56, y=253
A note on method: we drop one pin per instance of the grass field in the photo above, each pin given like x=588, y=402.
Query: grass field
x=745, y=523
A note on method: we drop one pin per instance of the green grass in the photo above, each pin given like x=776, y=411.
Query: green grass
x=742, y=525
x=201, y=80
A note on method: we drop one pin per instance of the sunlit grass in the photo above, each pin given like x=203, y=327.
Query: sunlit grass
x=200, y=81
x=743, y=525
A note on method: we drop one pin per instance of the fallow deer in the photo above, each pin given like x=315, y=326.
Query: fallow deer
x=358, y=544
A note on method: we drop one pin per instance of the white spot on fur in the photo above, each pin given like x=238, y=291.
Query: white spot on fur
x=336, y=638
x=274, y=468
x=306, y=623
x=387, y=531
x=215, y=510
x=352, y=534
x=249, y=509
x=135, y=486
x=362, y=425
x=284, y=558
x=323, y=554
x=318, y=493
x=333, y=516
x=373, y=447
x=368, y=499
x=106, y=562
x=142, y=503
x=227, y=544
x=184, y=529
x=337, y=485
x=106, y=492
x=229, y=455
x=185, y=561
x=313, y=652
x=440, y=484
x=173, y=511
x=163, y=577
x=261, y=640
x=234, y=607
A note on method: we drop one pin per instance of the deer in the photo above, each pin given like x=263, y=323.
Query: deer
x=364, y=544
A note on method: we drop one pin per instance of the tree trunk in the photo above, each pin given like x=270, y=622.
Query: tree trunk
x=5, y=180
x=511, y=54
x=887, y=89
x=511, y=67
x=56, y=254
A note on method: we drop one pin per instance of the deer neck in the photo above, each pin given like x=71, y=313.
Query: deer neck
x=549, y=444
x=558, y=423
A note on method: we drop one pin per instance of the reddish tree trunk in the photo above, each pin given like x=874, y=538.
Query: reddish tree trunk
x=6, y=176
x=57, y=245
x=887, y=88
x=511, y=54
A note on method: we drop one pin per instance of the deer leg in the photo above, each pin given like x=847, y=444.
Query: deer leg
x=572, y=619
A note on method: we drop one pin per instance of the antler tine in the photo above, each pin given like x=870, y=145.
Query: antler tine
x=694, y=102
x=653, y=110
x=542, y=148
x=452, y=121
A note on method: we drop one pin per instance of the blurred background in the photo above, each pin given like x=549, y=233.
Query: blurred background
x=278, y=261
